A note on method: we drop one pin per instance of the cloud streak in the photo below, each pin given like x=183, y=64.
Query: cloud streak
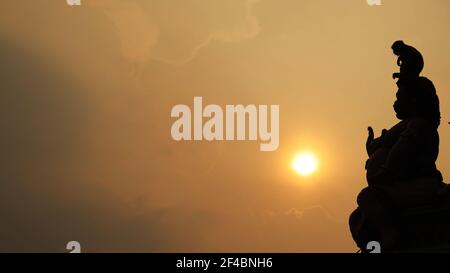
x=175, y=31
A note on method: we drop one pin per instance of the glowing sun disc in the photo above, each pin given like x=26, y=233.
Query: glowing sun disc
x=305, y=164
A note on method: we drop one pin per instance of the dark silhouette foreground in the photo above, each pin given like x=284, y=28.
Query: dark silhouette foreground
x=406, y=205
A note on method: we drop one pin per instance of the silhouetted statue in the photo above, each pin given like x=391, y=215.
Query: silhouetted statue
x=401, y=171
x=409, y=59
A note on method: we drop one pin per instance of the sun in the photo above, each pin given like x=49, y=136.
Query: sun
x=305, y=163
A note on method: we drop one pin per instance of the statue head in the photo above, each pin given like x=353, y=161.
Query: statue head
x=398, y=47
x=418, y=99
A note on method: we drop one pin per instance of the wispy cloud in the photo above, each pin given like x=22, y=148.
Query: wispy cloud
x=178, y=35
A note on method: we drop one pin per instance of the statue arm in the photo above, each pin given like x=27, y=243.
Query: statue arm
x=372, y=143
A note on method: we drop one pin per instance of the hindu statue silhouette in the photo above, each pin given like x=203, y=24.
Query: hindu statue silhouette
x=405, y=205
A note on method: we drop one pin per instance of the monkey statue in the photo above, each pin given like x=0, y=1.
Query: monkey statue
x=409, y=59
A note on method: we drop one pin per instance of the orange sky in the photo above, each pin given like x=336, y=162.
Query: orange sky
x=86, y=94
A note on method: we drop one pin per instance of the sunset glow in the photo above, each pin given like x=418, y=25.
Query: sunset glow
x=305, y=164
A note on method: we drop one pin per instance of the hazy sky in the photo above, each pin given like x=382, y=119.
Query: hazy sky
x=85, y=100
